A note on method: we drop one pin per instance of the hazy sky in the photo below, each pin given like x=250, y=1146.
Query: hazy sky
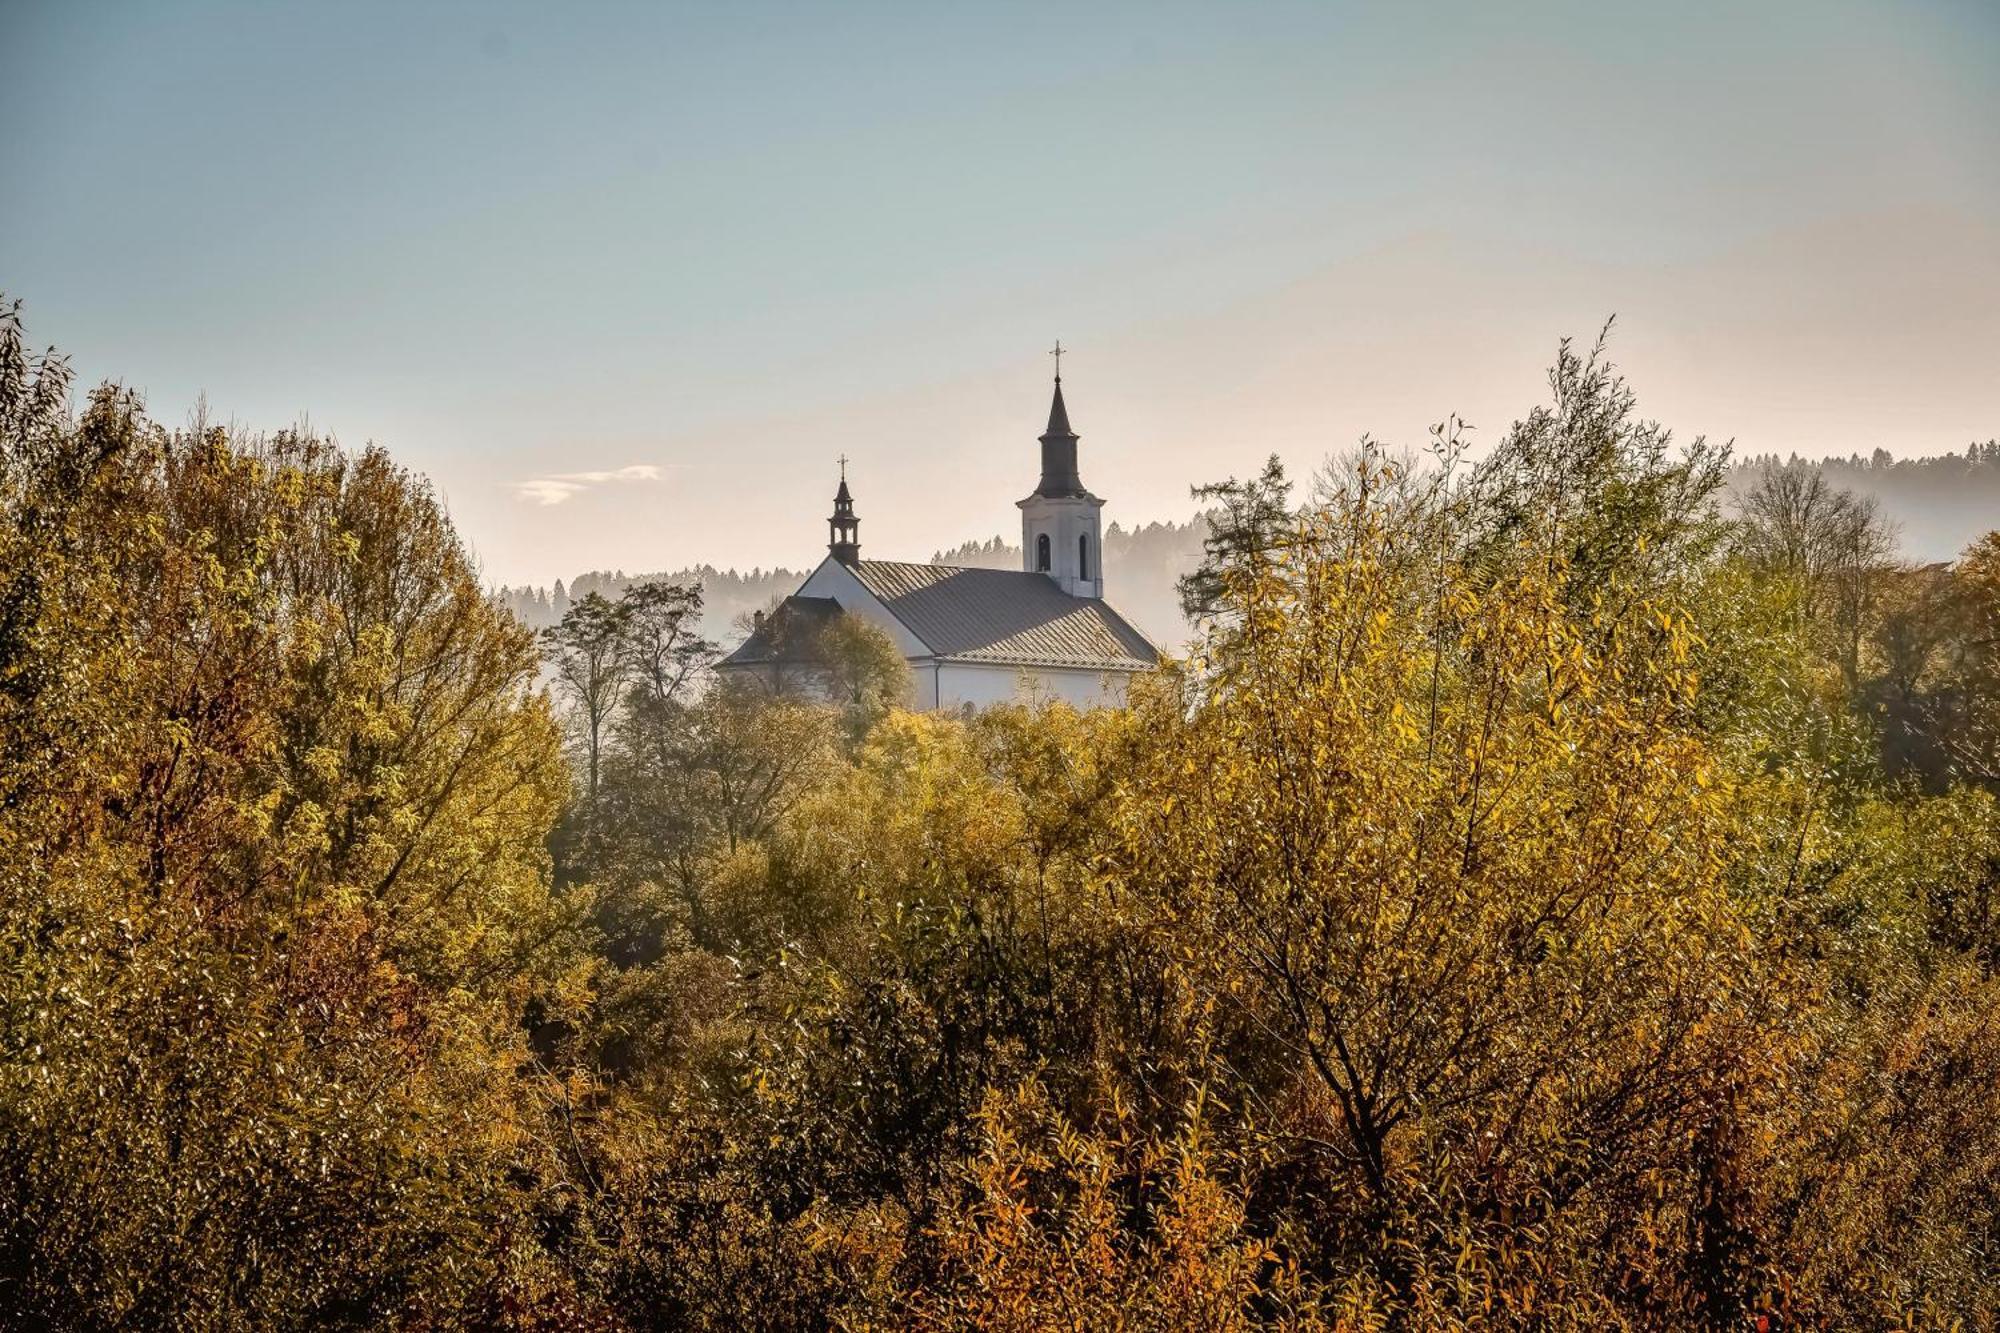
x=625, y=281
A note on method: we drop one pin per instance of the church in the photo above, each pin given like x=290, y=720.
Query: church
x=971, y=637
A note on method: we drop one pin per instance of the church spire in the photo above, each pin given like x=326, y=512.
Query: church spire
x=1058, y=416
x=844, y=529
x=1059, y=444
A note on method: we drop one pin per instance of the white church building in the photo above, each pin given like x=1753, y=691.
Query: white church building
x=972, y=637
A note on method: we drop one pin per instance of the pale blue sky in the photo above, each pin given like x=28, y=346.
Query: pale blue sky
x=683, y=257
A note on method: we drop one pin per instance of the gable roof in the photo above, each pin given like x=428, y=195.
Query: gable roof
x=1004, y=616
x=788, y=634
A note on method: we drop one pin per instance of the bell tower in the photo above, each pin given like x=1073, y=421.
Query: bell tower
x=843, y=530
x=1061, y=523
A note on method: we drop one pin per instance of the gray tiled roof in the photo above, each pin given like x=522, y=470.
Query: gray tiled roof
x=1005, y=616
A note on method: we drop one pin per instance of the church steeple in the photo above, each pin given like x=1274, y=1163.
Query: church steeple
x=844, y=529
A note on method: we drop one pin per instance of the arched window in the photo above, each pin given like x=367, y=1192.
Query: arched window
x=1083, y=555
x=1042, y=553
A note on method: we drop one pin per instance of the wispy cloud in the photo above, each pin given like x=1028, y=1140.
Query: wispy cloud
x=557, y=487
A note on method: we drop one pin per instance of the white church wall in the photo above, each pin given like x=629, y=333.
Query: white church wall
x=954, y=686
x=979, y=685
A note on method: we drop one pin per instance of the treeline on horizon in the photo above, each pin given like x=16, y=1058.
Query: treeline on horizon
x=1142, y=563
x=1548, y=898
x=1936, y=505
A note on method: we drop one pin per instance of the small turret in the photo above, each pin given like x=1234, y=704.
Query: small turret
x=844, y=529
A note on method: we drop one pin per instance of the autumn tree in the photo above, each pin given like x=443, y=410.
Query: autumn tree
x=277, y=787
x=591, y=659
x=1832, y=545
x=663, y=648
x=1247, y=525
x=863, y=671
x=1968, y=704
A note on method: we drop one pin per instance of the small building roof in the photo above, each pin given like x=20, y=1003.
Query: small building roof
x=787, y=635
x=1003, y=616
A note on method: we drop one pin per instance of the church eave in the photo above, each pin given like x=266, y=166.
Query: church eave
x=1082, y=495
x=1124, y=665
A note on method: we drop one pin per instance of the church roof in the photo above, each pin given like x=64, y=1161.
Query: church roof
x=1004, y=616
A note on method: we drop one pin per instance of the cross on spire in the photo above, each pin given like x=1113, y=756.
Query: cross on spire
x=843, y=467
x=1057, y=354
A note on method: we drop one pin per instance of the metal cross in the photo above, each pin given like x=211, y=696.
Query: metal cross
x=1057, y=354
x=843, y=467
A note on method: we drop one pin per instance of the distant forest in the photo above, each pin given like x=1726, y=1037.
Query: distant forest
x=1938, y=506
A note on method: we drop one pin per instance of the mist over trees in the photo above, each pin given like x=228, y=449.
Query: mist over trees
x=1140, y=563
x=728, y=596
x=1934, y=506
x=1551, y=894
x=1937, y=505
